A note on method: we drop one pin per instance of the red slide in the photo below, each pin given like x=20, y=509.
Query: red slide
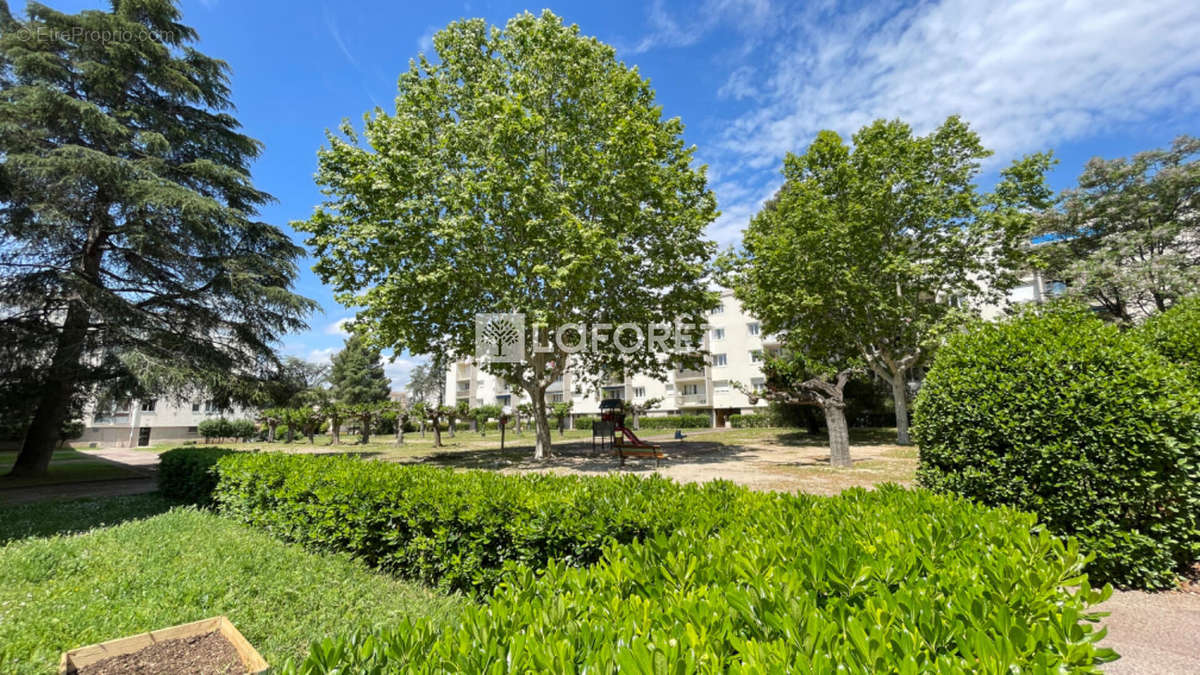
x=634, y=441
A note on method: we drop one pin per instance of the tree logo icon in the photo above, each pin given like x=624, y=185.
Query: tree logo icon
x=500, y=338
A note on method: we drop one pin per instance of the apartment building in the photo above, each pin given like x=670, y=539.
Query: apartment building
x=734, y=341
x=140, y=422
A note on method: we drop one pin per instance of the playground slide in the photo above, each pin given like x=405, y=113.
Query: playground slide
x=634, y=440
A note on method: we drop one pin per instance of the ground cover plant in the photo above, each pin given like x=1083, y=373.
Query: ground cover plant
x=62, y=592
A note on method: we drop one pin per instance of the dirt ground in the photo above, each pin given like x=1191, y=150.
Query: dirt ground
x=759, y=459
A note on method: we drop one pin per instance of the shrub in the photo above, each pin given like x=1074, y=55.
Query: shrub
x=215, y=428
x=671, y=422
x=243, y=429
x=1175, y=334
x=884, y=581
x=457, y=530
x=1063, y=415
x=584, y=423
x=188, y=473
x=753, y=421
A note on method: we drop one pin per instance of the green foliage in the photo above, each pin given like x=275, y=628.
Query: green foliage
x=133, y=257
x=856, y=254
x=189, y=473
x=524, y=169
x=456, y=530
x=62, y=592
x=753, y=421
x=1060, y=414
x=357, y=375
x=1128, y=237
x=217, y=427
x=674, y=422
x=881, y=581
x=1175, y=334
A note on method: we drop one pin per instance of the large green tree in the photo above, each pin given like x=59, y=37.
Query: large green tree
x=1127, y=238
x=128, y=232
x=526, y=170
x=357, y=376
x=874, y=246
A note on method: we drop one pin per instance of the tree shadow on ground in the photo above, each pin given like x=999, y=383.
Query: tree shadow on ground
x=51, y=517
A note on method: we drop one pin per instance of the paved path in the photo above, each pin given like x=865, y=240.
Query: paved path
x=141, y=461
x=1155, y=633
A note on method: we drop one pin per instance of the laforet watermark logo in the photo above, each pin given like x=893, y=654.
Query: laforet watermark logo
x=500, y=338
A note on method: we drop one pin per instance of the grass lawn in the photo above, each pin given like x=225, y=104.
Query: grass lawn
x=66, y=466
x=62, y=592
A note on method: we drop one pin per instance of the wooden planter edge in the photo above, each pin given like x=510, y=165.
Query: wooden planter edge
x=72, y=660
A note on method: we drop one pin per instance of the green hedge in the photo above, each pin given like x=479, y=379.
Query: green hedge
x=884, y=581
x=1175, y=334
x=753, y=421
x=672, y=422
x=1061, y=414
x=456, y=530
x=188, y=473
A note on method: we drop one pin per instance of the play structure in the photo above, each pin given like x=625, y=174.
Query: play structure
x=611, y=431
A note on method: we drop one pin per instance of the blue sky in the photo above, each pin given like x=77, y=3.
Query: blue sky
x=751, y=80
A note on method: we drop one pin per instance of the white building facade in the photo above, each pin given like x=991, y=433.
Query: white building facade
x=141, y=422
x=734, y=342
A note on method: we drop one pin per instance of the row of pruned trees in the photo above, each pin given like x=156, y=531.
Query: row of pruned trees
x=400, y=416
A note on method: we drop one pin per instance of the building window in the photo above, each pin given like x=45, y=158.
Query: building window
x=691, y=389
x=503, y=400
x=720, y=360
x=718, y=334
x=639, y=392
x=756, y=356
x=720, y=309
x=192, y=430
x=148, y=405
x=753, y=328
x=758, y=385
x=556, y=398
x=614, y=392
x=195, y=406
x=721, y=385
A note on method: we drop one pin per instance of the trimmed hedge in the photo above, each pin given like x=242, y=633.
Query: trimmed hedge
x=672, y=422
x=189, y=473
x=1061, y=414
x=752, y=421
x=457, y=530
x=884, y=581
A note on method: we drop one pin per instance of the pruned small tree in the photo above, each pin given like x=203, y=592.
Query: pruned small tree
x=561, y=411
x=638, y=408
x=792, y=379
x=525, y=171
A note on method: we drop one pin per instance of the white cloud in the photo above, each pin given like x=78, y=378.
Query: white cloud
x=667, y=30
x=338, y=327
x=322, y=355
x=399, y=371
x=425, y=42
x=1026, y=75
x=739, y=85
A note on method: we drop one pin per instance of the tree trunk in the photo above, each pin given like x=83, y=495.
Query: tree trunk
x=839, y=433
x=271, y=425
x=335, y=431
x=900, y=402
x=291, y=432
x=422, y=429
x=437, y=433
x=54, y=403
x=399, y=431
x=452, y=425
x=541, y=425
x=366, y=428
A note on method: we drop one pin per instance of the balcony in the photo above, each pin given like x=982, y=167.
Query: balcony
x=691, y=400
x=684, y=374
